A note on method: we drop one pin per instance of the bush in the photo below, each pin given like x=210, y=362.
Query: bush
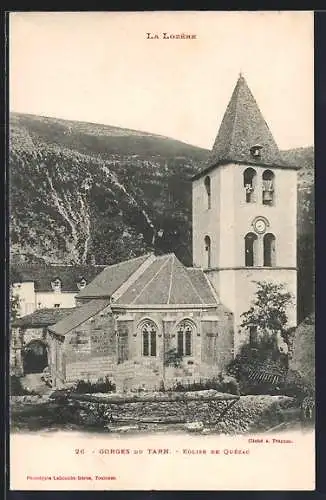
x=172, y=358
x=101, y=385
x=221, y=383
x=17, y=389
x=296, y=386
x=260, y=369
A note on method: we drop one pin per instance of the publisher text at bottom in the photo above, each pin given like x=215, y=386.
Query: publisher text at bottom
x=71, y=478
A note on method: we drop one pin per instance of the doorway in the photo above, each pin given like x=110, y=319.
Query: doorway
x=35, y=357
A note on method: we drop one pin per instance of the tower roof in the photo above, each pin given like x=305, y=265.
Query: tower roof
x=242, y=130
x=243, y=127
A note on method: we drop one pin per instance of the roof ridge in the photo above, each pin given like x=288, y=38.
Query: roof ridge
x=105, y=303
x=124, y=287
x=51, y=264
x=235, y=115
x=202, y=273
x=150, y=281
x=111, y=278
x=168, y=254
x=129, y=260
x=171, y=279
x=184, y=269
x=52, y=309
x=212, y=289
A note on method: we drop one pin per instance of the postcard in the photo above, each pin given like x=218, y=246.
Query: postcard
x=161, y=180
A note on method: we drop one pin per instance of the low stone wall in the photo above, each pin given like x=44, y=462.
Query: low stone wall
x=245, y=414
x=30, y=398
x=19, y=401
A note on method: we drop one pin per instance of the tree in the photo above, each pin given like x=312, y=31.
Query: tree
x=260, y=366
x=172, y=358
x=268, y=314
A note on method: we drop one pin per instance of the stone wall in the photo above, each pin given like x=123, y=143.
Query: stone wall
x=90, y=350
x=246, y=414
x=111, y=345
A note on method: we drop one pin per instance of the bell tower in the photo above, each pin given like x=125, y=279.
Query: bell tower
x=245, y=210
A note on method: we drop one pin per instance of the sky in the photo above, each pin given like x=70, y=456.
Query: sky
x=100, y=67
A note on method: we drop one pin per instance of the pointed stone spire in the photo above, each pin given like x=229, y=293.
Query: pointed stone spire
x=244, y=135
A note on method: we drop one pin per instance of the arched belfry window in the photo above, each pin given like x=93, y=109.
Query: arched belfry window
x=251, y=241
x=249, y=183
x=269, y=250
x=148, y=330
x=207, y=183
x=185, y=333
x=208, y=250
x=268, y=187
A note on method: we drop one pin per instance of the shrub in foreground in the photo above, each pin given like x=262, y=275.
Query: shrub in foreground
x=221, y=383
x=101, y=385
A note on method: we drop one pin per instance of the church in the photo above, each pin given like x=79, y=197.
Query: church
x=151, y=320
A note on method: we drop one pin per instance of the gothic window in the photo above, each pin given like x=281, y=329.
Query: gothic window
x=268, y=187
x=251, y=240
x=185, y=332
x=149, y=333
x=249, y=183
x=208, y=191
x=208, y=250
x=269, y=250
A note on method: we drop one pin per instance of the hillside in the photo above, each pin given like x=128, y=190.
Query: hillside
x=122, y=185
x=80, y=191
x=95, y=139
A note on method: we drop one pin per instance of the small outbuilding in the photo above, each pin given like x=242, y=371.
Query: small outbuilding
x=29, y=340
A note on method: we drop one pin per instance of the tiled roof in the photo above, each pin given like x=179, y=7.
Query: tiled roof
x=42, y=275
x=242, y=127
x=167, y=281
x=202, y=285
x=164, y=281
x=78, y=316
x=42, y=317
x=111, y=278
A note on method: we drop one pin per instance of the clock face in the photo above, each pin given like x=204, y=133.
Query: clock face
x=260, y=226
